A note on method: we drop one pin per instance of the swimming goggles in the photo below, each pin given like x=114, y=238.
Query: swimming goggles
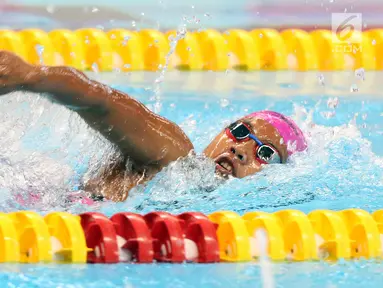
x=239, y=132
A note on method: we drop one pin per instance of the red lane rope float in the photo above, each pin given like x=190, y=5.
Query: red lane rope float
x=160, y=236
x=136, y=238
x=199, y=229
x=193, y=230
x=101, y=237
x=167, y=234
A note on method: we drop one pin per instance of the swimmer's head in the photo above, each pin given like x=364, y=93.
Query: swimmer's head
x=263, y=137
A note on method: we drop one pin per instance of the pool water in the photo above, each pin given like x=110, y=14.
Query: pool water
x=48, y=150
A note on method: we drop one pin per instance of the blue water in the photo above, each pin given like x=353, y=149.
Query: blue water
x=50, y=150
x=179, y=276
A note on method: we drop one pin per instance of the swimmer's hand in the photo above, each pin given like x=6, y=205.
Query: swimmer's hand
x=15, y=73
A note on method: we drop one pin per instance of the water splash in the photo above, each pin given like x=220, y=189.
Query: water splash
x=180, y=34
x=48, y=149
x=40, y=53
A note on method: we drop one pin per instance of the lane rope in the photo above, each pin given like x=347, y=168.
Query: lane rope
x=91, y=49
x=222, y=236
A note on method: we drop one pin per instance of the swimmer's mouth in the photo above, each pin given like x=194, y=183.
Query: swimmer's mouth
x=224, y=167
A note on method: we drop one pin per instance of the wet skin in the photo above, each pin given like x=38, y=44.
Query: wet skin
x=149, y=141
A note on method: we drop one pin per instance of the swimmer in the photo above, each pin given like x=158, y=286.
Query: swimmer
x=148, y=141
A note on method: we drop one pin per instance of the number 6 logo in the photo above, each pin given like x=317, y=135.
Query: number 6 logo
x=345, y=25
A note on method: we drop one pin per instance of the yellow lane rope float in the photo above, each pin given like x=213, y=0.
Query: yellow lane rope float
x=149, y=50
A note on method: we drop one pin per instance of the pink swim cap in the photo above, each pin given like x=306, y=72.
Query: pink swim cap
x=289, y=131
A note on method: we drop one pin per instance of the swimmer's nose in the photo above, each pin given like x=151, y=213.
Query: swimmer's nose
x=239, y=153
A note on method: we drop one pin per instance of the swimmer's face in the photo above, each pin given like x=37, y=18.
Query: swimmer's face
x=239, y=158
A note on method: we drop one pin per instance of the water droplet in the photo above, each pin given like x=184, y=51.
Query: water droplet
x=142, y=14
x=51, y=9
x=364, y=116
x=172, y=105
x=260, y=35
x=373, y=42
x=95, y=67
x=321, y=79
x=133, y=23
x=224, y=102
x=332, y=102
x=360, y=73
x=281, y=141
x=40, y=51
x=127, y=66
x=354, y=88
x=86, y=41
x=207, y=15
x=95, y=9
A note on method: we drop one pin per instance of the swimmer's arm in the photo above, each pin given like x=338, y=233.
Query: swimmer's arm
x=143, y=136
